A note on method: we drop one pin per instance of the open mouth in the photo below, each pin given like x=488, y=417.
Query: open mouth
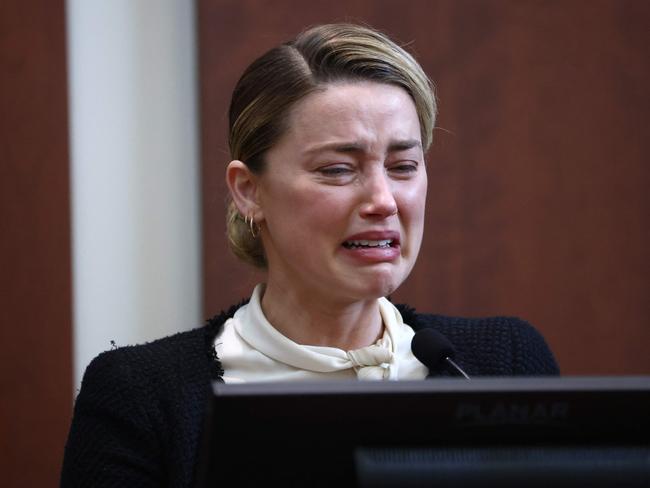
x=367, y=244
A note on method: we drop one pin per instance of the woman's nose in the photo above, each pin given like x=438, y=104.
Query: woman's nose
x=379, y=200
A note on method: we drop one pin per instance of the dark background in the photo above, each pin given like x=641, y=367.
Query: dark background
x=537, y=202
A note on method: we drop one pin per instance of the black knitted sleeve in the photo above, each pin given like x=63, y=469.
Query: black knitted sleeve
x=530, y=352
x=111, y=441
x=490, y=346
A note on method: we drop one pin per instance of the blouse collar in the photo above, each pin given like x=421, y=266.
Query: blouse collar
x=370, y=362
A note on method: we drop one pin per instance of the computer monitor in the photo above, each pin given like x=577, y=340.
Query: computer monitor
x=555, y=432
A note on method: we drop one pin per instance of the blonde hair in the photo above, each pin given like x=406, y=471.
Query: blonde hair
x=273, y=83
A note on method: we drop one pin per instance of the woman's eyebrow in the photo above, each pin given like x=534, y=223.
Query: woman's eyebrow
x=404, y=145
x=359, y=147
x=343, y=147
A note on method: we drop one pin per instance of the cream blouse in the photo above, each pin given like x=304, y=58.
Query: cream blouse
x=252, y=350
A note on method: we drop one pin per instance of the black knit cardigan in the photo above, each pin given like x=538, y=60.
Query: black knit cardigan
x=138, y=416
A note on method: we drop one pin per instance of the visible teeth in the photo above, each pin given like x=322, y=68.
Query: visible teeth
x=365, y=243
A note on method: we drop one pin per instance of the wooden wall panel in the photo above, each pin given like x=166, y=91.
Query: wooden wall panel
x=35, y=283
x=537, y=201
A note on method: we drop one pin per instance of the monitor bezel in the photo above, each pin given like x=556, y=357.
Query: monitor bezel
x=324, y=422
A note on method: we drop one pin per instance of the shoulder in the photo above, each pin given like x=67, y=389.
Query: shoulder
x=495, y=346
x=130, y=364
x=124, y=416
x=162, y=359
x=139, y=405
x=141, y=384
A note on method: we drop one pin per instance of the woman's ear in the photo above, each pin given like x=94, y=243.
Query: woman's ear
x=243, y=186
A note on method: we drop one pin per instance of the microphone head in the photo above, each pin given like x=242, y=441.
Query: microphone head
x=431, y=348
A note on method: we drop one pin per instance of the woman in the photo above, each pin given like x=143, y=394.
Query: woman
x=328, y=183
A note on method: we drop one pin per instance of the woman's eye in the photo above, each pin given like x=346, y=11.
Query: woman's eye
x=404, y=168
x=335, y=171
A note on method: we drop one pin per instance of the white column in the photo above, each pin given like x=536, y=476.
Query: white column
x=135, y=172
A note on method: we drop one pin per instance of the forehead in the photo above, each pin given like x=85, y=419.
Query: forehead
x=357, y=111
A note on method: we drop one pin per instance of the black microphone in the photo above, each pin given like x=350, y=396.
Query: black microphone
x=434, y=350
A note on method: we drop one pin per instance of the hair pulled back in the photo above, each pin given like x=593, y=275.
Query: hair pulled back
x=276, y=81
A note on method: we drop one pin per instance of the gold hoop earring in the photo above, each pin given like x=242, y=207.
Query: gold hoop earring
x=254, y=228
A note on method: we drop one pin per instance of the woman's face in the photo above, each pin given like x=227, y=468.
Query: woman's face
x=342, y=196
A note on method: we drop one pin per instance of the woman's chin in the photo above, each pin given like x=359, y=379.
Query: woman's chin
x=376, y=287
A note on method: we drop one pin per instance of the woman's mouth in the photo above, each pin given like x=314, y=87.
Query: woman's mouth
x=358, y=244
x=373, y=247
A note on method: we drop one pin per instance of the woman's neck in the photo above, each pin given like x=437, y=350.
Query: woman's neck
x=315, y=321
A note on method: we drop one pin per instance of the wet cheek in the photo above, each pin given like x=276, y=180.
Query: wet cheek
x=312, y=212
x=327, y=206
x=412, y=202
x=412, y=205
